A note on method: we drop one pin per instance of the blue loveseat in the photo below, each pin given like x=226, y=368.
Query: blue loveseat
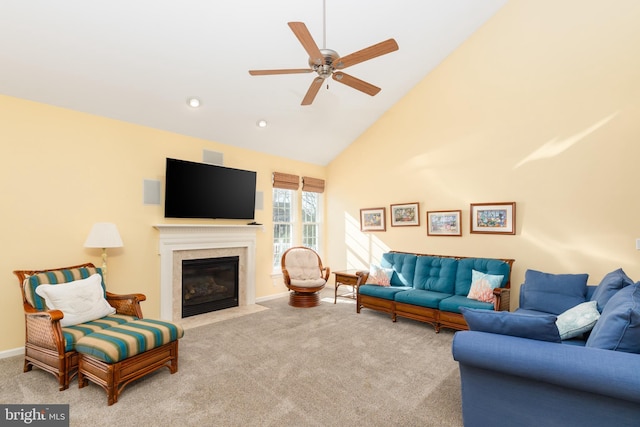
x=432, y=288
x=515, y=369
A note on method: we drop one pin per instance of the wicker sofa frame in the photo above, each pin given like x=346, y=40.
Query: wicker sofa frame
x=44, y=340
x=437, y=318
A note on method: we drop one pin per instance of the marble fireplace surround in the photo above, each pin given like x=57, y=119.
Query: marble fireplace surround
x=194, y=241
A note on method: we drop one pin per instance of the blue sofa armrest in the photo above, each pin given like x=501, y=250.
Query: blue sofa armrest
x=606, y=372
x=543, y=383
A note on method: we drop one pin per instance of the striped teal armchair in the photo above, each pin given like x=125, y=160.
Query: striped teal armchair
x=51, y=335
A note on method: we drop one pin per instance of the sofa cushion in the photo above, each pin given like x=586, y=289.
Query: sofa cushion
x=54, y=277
x=483, y=265
x=619, y=325
x=385, y=292
x=453, y=304
x=121, y=342
x=541, y=328
x=482, y=286
x=80, y=301
x=379, y=275
x=610, y=284
x=421, y=297
x=404, y=267
x=435, y=274
x=73, y=333
x=553, y=293
x=577, y=320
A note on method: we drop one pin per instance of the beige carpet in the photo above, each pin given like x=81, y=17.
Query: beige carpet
x=284, y=366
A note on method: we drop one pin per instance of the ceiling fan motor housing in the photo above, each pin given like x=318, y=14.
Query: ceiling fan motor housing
x=324, y=71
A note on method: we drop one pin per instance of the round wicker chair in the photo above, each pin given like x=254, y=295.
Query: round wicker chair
x=304, y=276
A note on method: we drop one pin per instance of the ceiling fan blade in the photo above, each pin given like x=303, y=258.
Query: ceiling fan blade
x=367, y=53
x=284, y=71
x=316, y=84
x=356, y=83
x=303, y=34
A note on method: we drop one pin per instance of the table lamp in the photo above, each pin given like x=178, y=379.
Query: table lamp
x=103, y=235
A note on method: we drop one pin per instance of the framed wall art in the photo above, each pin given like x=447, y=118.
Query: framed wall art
x=373, y=219
x=407, y=214
x=444, y=223
x=493, y=218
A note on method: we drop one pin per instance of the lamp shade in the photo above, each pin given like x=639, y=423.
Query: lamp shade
x=103, y=235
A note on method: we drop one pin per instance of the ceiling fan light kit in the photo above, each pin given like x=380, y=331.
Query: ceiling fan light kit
x=326, y=62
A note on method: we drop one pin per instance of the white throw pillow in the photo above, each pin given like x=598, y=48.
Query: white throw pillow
x=80, y=301
x=379, y=276
x=482, y=286
x=578, y=320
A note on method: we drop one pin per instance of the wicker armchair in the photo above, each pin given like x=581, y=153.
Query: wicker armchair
x=304, y=275
x=48, y=345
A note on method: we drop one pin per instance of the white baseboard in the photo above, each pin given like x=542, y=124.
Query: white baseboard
x=13, y=352
x=270, y=297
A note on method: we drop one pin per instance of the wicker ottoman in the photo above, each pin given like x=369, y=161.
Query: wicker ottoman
x=115, y=356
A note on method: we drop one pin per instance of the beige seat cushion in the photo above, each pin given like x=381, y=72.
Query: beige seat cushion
x=310, y=283
x=302, y=266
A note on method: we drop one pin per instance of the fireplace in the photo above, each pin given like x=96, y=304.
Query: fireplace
x=179, y=242
x=209, y=284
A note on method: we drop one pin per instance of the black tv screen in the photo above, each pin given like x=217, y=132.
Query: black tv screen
x=200, y=190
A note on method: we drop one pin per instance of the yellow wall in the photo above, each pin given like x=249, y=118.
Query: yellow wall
x=61, y=171
x=540, y=107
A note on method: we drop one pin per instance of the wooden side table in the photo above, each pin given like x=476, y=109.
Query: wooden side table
x=351, y=278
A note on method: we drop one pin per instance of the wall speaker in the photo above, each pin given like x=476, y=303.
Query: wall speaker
x=151, y=192
x=212, y=157
x=259, y=200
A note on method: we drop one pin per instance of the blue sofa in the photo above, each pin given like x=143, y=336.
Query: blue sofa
x=432, y=288
x=515, y=373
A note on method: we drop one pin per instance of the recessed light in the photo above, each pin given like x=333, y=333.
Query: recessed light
x=193, y=102
x=261, y=123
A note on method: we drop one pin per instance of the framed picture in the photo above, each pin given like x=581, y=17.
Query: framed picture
x=407, y=214
x=372, y=219
x=493, y=218
x=444, y=223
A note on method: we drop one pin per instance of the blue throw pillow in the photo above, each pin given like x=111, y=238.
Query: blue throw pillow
x=619, y=325
x=553, y=293
x=541, y=328
x=610, y=284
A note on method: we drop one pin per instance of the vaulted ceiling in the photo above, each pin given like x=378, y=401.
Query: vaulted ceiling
x=139, y=61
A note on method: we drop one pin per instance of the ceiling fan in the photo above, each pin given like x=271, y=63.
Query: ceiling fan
x=327, y=62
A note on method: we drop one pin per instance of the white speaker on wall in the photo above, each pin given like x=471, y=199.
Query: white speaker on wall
x=151, y=192
x=212, y=157
x=259, y=200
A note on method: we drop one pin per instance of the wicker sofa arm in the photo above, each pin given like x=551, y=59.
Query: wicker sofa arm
x=43, y=328
x=503, y=299
x=128, y=304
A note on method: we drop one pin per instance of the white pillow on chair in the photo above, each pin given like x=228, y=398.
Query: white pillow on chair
x=80, y=301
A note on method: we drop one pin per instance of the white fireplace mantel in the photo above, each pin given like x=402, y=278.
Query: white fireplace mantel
x=193, y=237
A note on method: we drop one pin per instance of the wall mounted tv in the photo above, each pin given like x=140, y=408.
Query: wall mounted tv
x=200, y=190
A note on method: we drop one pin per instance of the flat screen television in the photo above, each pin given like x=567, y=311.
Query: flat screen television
x=200, y=190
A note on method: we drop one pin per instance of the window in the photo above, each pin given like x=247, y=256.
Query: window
x=284, y=208
x=311, y=220
x=296, y=213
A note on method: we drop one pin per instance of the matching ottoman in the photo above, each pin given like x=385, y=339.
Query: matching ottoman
x=115, y=356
